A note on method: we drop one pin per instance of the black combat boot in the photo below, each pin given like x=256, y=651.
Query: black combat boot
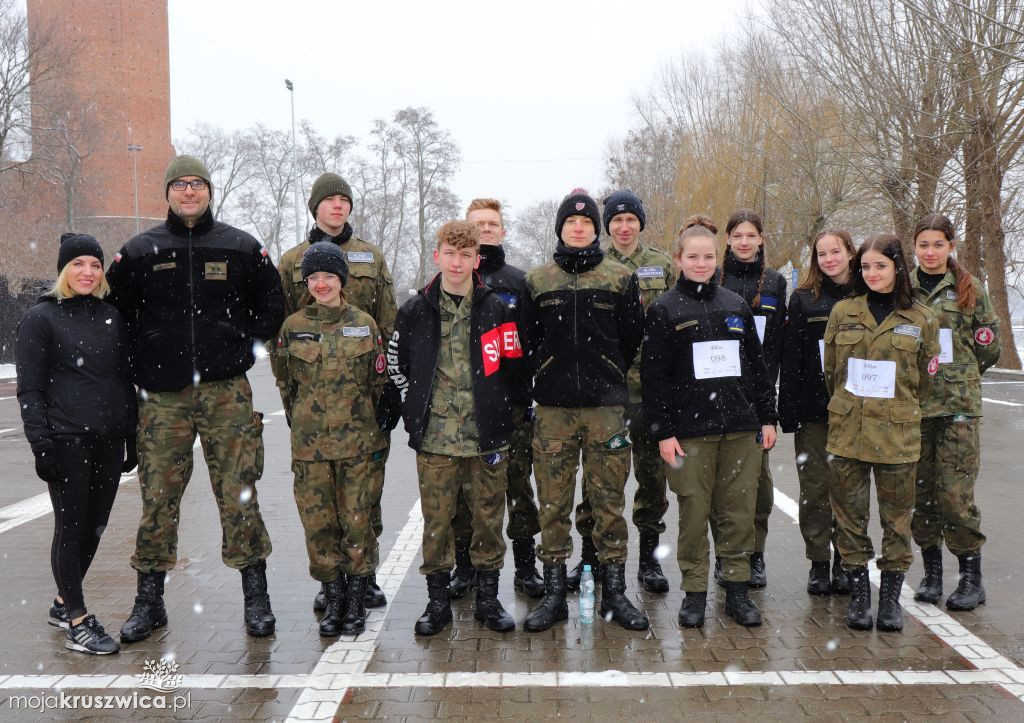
x=439, y=608
x=758, y=576
x=969, y=592
x=588, y=556
x=930, y=589
x=739, y=606
x=373, y=597
x=650, y=575
x=320, y=599
x=858, y=610
x=552, y=607
x=334, y=592
x=818, y=582
x=614, y=600
x=526, y=580
x=840, y=577
x=890, y=616
x=259, y=618
x=148, y=613
x=354, y=621
x=464, y=576
x=719, y=575
x=488, y=609
x=691, y=612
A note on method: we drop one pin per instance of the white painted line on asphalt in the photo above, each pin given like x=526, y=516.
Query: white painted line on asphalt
x=5, y=431
x=324, y=688
x=350, y=656
x=4, y=399
x=978, y=654
x=32, y=509
x=985, y=383
x=1000, y=401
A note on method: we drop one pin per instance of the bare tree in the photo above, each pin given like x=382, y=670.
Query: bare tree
x=266, y=201
x=531, y=235
x=432, y=158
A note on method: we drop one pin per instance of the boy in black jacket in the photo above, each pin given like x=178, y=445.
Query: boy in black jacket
x=454, y=358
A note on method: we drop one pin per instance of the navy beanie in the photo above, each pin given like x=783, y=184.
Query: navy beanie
x=73, y=245
x=324, y=256
x=577, y=203
x=623, y=202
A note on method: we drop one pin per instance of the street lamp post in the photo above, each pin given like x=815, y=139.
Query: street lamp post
x=135, y=149
x=295, y=167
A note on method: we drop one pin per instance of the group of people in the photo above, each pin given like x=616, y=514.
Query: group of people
x=613, y=354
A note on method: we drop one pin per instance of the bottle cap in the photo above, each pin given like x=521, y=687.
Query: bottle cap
x=586, y=568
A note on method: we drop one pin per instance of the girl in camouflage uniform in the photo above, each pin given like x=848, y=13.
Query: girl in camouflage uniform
x=330, y=372
x=951, y=413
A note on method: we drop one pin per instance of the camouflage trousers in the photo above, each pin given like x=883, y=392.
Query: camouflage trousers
x=650, y=502
x=817, y=524
x=482, y=479
x=851, y=503
x=719, y=473
x=231, y=434
x=335, y=499
x=944, y=507
x=522, y=506
x=561, y=435
x=762, y=508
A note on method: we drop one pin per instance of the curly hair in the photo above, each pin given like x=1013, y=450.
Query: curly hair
x=460, y=234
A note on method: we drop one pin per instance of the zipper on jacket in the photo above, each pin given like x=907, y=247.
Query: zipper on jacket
x=721, y=411
x=575, y=329
x=192, y=310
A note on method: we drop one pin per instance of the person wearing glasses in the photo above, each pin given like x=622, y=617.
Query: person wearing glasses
x=196, y=295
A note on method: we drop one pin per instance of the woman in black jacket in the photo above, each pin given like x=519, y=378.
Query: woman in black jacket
x=79, y=411
x=709, y=402
x=745, y=272
x=803, y=401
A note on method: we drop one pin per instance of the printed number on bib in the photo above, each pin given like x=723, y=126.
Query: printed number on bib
x=713, y=359
x=945, y=346
x=866, y=378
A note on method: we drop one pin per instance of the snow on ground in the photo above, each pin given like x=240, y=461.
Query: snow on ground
x=7, y=371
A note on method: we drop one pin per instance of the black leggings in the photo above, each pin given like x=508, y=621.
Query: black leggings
x=81, y=506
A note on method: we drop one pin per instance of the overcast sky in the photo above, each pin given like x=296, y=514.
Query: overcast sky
x=531, y=91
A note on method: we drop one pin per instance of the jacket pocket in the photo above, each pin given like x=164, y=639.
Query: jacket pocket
x=906, y=343
x=615, y=368
x=302, y=361
x=906, y=427
x=960, y=372
x=840, y=424
x=849, y=336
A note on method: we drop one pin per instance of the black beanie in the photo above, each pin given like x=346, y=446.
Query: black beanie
x=73, y=245
x=623, y=202
x=577, y=203
x=324, y=256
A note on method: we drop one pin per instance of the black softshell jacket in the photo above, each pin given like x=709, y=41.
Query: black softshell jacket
x=73, y=376
x=496, y=360
x=802, y=393
x=742, y=277
x=194, y=301
x=509, y=284
x=675, y=402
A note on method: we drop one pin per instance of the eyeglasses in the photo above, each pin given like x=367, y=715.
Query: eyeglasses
x=198, y=184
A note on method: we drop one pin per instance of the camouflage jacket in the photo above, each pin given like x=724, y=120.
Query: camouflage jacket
x=972, y=339
x=330, y=370
x=369, y=286
x=882, y=429
x=655, y=275
x=581, y=333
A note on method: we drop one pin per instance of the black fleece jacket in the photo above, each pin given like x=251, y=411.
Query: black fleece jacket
x=742, y=277
x=676, y=403
x=495, y=358
x=194, y=301
x=508, y=282
x=802, y=393
x=73, y=376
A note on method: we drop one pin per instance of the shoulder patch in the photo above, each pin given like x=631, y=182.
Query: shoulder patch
x=355, y=331
x=380, y=365
x=933, y=366
x=650, y=272
x=360, y=257
x=769, y=302
x=984, y=336
x=735, y=323
x=908, y=330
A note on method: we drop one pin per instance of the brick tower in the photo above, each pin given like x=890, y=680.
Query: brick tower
x=120, y=80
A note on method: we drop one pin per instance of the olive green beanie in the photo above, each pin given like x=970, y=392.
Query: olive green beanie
x=186, y=166
x=327, y=185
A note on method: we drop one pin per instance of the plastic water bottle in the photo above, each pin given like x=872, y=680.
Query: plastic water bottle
x=587, y=596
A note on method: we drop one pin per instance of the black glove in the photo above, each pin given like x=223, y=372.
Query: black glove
x=131, y=456
x=389, y=409
x=47, y=467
